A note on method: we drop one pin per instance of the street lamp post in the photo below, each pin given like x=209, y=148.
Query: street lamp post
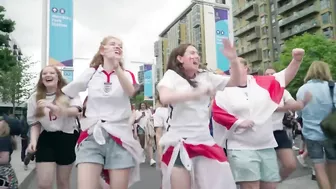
x=44, y=45
x=152, y=63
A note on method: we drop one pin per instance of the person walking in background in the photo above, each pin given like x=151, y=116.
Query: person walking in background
x=8, y=128
x=283, y=119
x=143, y=115
x=321, y=150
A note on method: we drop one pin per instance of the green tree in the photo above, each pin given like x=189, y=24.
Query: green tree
x=16, y=84
x=317, y=47
x=7, y=26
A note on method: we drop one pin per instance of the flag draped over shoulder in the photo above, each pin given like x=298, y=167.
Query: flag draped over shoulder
x=264, y=95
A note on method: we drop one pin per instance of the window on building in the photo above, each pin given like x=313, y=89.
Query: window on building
x=273, y=18
x=326, y=18
x=325, y=4
x=263, y=20
x=328, y=32
x=263, y=8
x=265, y=30
x=272, y=7
x=265, y=42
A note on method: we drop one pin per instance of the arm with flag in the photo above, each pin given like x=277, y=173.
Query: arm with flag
x=225, y=123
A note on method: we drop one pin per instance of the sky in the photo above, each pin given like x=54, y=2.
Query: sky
x=136, y=22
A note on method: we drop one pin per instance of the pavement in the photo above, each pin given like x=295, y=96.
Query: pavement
x=24, y=176
x=150, y=177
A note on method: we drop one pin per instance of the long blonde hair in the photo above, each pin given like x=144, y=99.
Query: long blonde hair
x=98, y=59
x=41, y=91
x=318, y=70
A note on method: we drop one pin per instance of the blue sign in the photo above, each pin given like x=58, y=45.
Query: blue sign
x=148, y=82
x=222, y=31
x=68, y=75
x=61, y=33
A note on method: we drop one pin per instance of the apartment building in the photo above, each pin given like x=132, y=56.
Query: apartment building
x=262, y=26
x=195, y=25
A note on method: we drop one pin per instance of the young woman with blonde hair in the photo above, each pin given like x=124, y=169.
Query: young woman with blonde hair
x=321, y=150
x=106, y=141
x=53, y=135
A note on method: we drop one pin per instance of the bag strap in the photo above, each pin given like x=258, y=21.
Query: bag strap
x=331, y=90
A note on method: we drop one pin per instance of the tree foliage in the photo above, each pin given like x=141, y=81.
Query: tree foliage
x=317, y=47
x=7, y=26
x=16, y=84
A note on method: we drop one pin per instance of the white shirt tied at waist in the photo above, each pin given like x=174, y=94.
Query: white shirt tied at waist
x=178, y=148
x=173, y=138
x=95, y=127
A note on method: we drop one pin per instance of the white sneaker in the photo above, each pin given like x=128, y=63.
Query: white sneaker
x=295, y=148
x=301, y=160
x=152, y=162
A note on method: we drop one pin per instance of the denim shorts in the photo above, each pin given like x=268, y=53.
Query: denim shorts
x=320, y=151
x=110, y=155
x=254, y=165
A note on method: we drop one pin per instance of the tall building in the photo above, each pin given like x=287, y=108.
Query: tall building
x=141, y=74
x=203, y=24
x=262, y=26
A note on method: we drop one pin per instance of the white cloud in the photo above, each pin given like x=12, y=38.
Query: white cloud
x=137, y=23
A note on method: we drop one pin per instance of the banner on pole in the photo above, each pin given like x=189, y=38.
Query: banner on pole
x=222, y=31
x=148, y=82
x=61, y=33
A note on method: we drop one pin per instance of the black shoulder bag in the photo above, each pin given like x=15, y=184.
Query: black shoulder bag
x=328, y=124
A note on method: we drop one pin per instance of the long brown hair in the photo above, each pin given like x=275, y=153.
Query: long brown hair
x=41, y=90
x=177, y=66
x=98, y=59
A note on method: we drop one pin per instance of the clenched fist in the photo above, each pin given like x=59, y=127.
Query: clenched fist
x=298, y=54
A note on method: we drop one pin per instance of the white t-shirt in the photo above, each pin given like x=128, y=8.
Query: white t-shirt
x=143, y=121
x=161, y=118
x=246, y=103
x=191, y=117
x=278, y=116
x=106, y=98
x=50, y=122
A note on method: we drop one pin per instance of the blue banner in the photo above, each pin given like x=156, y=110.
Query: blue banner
x=148, y=82
x=68, y=74
x=222, y=31
x=61, y=33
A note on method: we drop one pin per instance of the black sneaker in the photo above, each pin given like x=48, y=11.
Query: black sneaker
x=313, y=177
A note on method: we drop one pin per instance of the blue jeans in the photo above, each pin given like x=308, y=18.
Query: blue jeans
x=320, y=151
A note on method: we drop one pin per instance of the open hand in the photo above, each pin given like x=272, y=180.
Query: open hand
x=229, y=50
x=298, y=54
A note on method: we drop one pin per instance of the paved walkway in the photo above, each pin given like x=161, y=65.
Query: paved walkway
x=22, y=175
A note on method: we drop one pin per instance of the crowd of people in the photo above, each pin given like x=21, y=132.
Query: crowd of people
x=209, y=131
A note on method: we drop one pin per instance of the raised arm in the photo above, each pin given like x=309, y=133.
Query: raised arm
x=294, y=65
x=231, y=54
x=79, y=84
